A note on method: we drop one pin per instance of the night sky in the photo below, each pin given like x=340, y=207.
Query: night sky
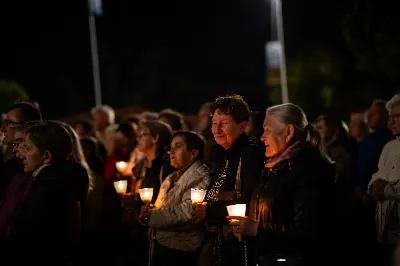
x=218, y=45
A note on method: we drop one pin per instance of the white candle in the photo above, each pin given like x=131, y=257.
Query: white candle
x=121, y=166
x=197, y=195
x=146, y=194
x=237, y=210
x=121, y=186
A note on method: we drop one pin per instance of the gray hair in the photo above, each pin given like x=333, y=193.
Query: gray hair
x=107, y=110
x=291, y=114
x=393, y=102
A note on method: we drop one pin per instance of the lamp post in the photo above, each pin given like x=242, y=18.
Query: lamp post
x=277, y=35
x=95, y=8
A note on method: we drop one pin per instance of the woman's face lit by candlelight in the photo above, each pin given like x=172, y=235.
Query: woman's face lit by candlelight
x=179, y=155
x=276, y=136
x=225, y=129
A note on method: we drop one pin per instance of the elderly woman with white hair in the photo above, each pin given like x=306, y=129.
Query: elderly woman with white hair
x=385, y=186
x=292, y=208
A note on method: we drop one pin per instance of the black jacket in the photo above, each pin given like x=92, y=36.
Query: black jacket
x=295, y=206
x=48, y=226
x=252, y=165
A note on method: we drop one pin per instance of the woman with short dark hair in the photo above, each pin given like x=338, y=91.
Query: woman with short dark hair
x=236, y=166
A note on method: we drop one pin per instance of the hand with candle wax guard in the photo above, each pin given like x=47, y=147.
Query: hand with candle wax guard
x=243, y=225
x=199, y=212
x=145, y=213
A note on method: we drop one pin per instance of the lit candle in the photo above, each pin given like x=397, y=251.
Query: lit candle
x=237, y=210
x=146, y=194
x=120, y=186
x=197, y=195
x=121, y=166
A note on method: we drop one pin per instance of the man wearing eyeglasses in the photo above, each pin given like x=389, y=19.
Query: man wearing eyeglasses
x=18, y=114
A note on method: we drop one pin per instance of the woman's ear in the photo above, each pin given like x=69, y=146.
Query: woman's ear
x=289, y=132
x=156, y=138
x=243, y=125
x=193, y=154
x=47, y=156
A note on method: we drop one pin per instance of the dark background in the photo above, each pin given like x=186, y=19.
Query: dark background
x=156, y=54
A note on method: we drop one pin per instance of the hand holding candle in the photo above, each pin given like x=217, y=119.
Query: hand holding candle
x=197, y=195
x=121, y=166
x=146, y=194
x=120, y=186
x=240, y=223
x=235, y=211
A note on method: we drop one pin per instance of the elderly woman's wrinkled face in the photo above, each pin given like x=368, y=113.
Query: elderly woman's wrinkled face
x=179, y=155
x=225, y=129
x=274, y=137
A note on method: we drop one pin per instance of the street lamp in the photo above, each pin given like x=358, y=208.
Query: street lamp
x=276, y=48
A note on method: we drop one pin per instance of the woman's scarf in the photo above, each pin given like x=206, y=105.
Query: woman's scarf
x=287, y=154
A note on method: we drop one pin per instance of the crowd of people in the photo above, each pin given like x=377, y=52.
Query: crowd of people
x=316, y=192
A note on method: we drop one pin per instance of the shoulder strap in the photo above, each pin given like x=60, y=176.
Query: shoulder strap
x=238, y=185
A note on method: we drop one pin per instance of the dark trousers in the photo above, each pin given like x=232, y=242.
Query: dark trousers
x=167, y=256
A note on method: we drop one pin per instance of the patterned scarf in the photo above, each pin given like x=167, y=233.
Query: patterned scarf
x=287, y=154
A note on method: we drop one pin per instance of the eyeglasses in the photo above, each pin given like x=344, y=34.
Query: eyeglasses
x=394, y=116
x=17, y=142
x=12, y=124
x=142, y=134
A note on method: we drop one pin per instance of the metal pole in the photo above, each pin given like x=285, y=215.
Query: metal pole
x=279, y=25
x=95, y=59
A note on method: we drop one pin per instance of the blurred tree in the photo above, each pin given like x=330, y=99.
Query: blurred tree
x=10, y=92
x=372, y=34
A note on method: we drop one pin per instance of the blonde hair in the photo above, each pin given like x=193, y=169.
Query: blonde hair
x=78, y=156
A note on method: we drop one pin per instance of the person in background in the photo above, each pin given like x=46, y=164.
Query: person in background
x=119, y=149
x=203, y=127
x=172, y=118
x=254, y=128
x=18, y=114
x=336, y=142
x=173, y=233
x=147, y=116
x=368, y=153
x=384, y=186
x=103, y=120
x=358, y=128
x=84, y=129
x=291, y=209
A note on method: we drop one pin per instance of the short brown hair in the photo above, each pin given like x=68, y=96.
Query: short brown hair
x=193, y=141
x=52, y=137
x=233, y=105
